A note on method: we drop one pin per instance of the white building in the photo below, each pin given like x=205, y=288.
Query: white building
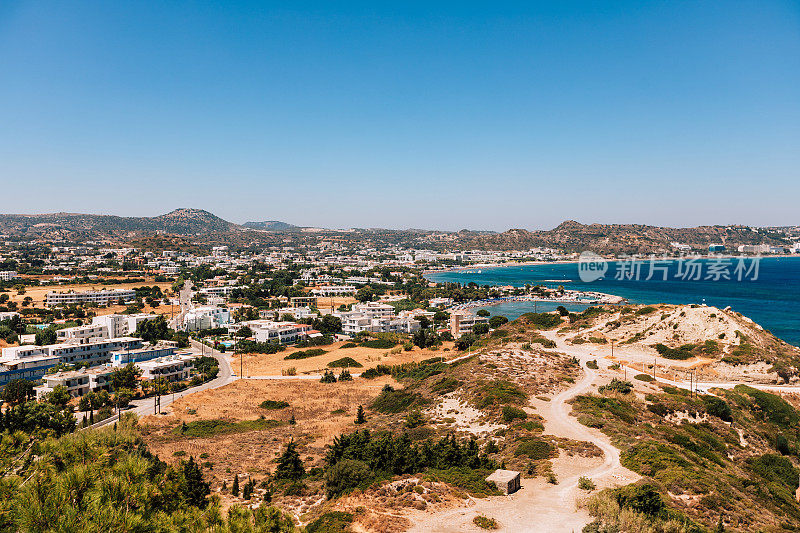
x=8, y=275
x=440, y=302
x=77, y=382
x=219, y=251
x=280, y=332
x=297, y=313
x=142, y=353
x=8, y=315
x=170, y=368
x=206, y=317
x=101, y=297
x=105, y=327
x=463, y=322
x=334, y=290
x=31, y=362
x=375, y=317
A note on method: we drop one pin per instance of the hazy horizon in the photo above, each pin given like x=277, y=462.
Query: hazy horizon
x=413, y=116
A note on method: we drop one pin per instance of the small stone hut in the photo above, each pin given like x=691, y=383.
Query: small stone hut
x=507, y=481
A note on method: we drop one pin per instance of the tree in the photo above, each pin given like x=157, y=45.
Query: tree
x=125, y=377
x=192, y=487
x=290, y=466
x=235, y=486
x=497, y=320
x=154, y=329
x=562, y=310
x=365, y=294
x=483, y=312
x=18, y=391
x=465, y=341
x=45, y=337
x=480, y=329
x=345, y=475
x=360, y=417
x=58, y=396
x=244, y=332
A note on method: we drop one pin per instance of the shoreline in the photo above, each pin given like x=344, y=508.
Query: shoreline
x=602, y=299
x=610, y=260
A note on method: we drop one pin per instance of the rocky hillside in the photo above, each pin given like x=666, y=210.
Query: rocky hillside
x=76, y=226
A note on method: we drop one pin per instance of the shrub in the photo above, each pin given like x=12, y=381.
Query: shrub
x=770, y=406
x=397, y=401
x=592, y=364
x=480, y=329
x=511, y=413
x=617, y=385
x=383, y=344
x=345, y=362
x=584, y=483
x=497, y=321
x=645, y=310
x=718, y=407
x=305, y=354
x=329, y=522
x=273, y=404
x=679, y=354
x=328, y=377
x=346, y=475
x=644, y=377
x=500, y=392
x=643, y=498
x=542, y=320
x=534, y=449
x=349, y=345
x=472, y=480
x=485, y=523
x=446, y=384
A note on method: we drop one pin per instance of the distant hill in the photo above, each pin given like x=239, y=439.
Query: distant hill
x=75, y=225
x=617, y=238
x=271, y=225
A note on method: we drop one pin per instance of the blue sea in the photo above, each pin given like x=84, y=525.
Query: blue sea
x=771, y=298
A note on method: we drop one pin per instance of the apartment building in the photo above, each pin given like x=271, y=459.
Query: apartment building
x=463, y=322
x=334, y=290
x=142, y=353
x=101, y=297
x=105, y=327
x=170, y=368
x=280, y=332
x=31, y=362
x=77, y=382
x=375, y=317
x=8, y=275
x=206, y=317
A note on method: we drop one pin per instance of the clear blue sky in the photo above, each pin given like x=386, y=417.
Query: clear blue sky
x=482, y=116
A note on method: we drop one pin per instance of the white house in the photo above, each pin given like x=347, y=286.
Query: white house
x=101, y=297
x=280, y=332
x=206, y=317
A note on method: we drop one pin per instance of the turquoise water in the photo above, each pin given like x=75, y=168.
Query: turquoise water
x=772, y=300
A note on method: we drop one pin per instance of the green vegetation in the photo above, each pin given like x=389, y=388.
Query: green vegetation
x=375, y=456
x=472, y=480
x=541, y=320
x=485, y=523
x=273, y=404
x=383, y=344
x=209, y=428
x=511, y=413
x=305, y=354
x=535, y=449
x=499, y=392
x=331, y=522
x=584, y=483
x=592, y=364
x=616, y=385
x=395, y=401
x=446, y=384
x=644, y=377
x=345, y=362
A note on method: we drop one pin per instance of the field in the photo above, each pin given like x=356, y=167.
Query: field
x=38, y=293
x=322, y=411
x=275, y=364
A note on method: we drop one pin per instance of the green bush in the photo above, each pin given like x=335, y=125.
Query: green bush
x=511, y=413
x=383, y=344
x=346, y=475
x=345, y=362
x=616, y=385
x=485, y=523
x=643, y=498
x=542, y=320
x=718, y=407
x=679, y=354
x=273, y=404
x=770, y=406
x=305, y=354
x=500, y=392
x=534, y=449
x=592, y=364
x=330, y=522
x=209, y=428
x=471, y=480
x=395, y=401
x=446, y=385
x=584, y=483
x=644, y=377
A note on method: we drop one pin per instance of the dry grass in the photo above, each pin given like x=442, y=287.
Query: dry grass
x=38, y=293
x=336, y=301
x=311, y=402
x=274, y=364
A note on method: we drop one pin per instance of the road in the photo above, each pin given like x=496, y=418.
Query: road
x=146, y=406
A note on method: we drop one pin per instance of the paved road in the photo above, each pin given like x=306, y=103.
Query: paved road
x=146, y=406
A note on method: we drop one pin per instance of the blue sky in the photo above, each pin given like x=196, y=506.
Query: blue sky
x=449, y=116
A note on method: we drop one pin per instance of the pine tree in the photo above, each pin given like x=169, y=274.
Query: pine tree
x=290, y=466
x=235, y=486
x=247, y=492
x=292, y=421
x=360, y=417
x=193, y=488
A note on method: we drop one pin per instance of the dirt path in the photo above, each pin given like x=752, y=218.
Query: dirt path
x=539, y=506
